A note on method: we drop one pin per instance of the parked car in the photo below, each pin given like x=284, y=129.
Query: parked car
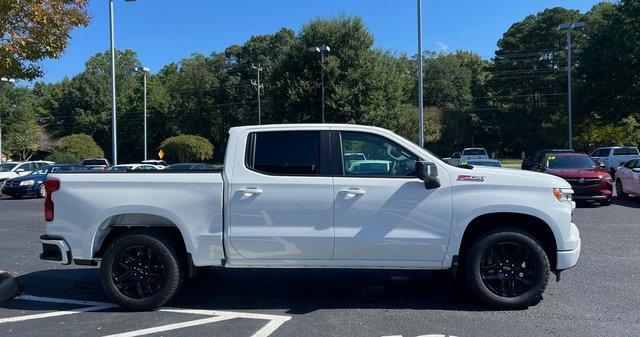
x=589, y=181
x=132, y=167
x=529, y=163
x=96, y=163
x=350, y=158
x=628, y=179
x=468, y=154
x=288, y=201
x=481, y=162
x=189, y=167
x=14, y=169
x=159, y=164
x=33, y=184
x=613, y=157
x=369, y=167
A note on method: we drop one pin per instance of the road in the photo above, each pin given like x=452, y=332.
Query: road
x=599, y=297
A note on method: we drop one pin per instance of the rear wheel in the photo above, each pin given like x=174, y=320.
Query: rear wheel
x=141, y=271
x=507, y=269
x=620, y=189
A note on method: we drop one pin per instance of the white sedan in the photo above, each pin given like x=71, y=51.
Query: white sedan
x=628, y=178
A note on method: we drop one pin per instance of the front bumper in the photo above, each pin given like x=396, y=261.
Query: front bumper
x=566, y=259
x=55, y=249
x=18, y=190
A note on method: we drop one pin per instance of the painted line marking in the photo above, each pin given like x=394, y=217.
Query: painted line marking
x=171, y=327
x=275, y=321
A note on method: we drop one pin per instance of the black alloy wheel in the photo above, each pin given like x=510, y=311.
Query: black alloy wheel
x=507, y=269
x=139, y=272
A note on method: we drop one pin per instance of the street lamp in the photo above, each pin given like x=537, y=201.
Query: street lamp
x=9, y=80
x=568, y=27
x=321, y=50
x=420, y=78
x=114, y=137
x=144, y=71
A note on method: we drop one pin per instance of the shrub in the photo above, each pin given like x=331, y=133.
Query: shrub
x=74, y=148
x=186, y=148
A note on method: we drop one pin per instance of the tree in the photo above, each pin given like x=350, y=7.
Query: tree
x=74, y=148
x=36, y=29
x=186, y=148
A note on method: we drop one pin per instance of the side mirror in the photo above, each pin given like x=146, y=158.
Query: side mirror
x=428, y=172
x=19, y=170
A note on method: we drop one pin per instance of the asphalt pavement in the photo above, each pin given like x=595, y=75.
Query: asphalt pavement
x=599, y=297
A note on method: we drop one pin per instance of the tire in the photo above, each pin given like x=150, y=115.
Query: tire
x=620, y=189
x=156, y=278
x=488, y=285
x=42, y=191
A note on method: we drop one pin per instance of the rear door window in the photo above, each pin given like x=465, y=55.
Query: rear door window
x=289, y=153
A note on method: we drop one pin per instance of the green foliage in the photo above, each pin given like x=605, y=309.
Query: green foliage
x=36, y=29
x=187, y=148
x=74, y=148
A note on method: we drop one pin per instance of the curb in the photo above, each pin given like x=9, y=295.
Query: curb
x=8, y=286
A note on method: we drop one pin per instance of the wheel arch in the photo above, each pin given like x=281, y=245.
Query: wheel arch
x=117, y=224
x=531, y=224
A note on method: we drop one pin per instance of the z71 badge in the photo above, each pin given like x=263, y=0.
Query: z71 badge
x=478, y=179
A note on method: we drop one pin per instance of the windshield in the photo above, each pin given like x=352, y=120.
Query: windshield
x=570, y=162
x=474, y=152
x=7, y=167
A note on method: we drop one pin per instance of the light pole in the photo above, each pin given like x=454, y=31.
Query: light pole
x=258, y=87
x=144, y=71
x=420, y=78
x=114, y=137
x=9, y=80
x=568, y=27
x=321, y=50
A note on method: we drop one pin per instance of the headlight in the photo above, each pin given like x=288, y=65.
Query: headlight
x=27, y=183
x=563, y=194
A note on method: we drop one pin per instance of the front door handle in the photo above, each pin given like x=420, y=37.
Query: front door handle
x=351, y=192
x=250, y=191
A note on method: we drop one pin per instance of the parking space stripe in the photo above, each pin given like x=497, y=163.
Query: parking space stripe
x=172, y=326
x=272, y=326
x=54, y=314
x=60, y=300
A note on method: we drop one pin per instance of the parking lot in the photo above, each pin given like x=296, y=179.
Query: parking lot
x=599, y=297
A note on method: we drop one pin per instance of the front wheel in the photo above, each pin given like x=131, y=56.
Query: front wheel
x=507, y=269
x=141, y=271
x=42, y=191
x=620, y=189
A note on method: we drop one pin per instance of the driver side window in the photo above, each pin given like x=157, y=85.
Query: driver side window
x=369, y=155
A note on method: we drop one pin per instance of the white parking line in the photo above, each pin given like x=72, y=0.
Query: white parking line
x=171, y=327
x=274, y=321
x=91, y=306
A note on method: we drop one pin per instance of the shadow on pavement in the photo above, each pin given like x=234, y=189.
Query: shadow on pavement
x=298, y=291
x=627, y=202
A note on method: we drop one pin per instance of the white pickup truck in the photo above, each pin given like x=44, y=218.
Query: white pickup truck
x=287, y=199
x=611, y=158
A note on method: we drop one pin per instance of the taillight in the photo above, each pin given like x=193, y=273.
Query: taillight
x=50, y=185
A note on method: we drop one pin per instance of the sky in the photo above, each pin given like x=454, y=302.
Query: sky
x=165, y=31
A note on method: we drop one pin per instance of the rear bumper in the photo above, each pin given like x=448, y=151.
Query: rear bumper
x=55, y=249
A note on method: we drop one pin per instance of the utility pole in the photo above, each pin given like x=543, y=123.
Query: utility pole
x=258, y=88
x=144, y=71
x=420, y=78
x=9, y=80
x=321, y=50
x=568, y=27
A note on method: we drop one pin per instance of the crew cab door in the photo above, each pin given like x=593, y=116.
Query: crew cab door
x=281, y=198
x=382, y=210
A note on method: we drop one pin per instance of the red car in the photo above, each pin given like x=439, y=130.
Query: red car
x=589, y=181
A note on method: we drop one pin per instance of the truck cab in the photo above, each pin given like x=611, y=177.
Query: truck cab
x=315, y=196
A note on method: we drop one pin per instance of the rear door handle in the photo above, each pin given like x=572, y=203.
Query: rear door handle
x=353, y=192
x=250, y=191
